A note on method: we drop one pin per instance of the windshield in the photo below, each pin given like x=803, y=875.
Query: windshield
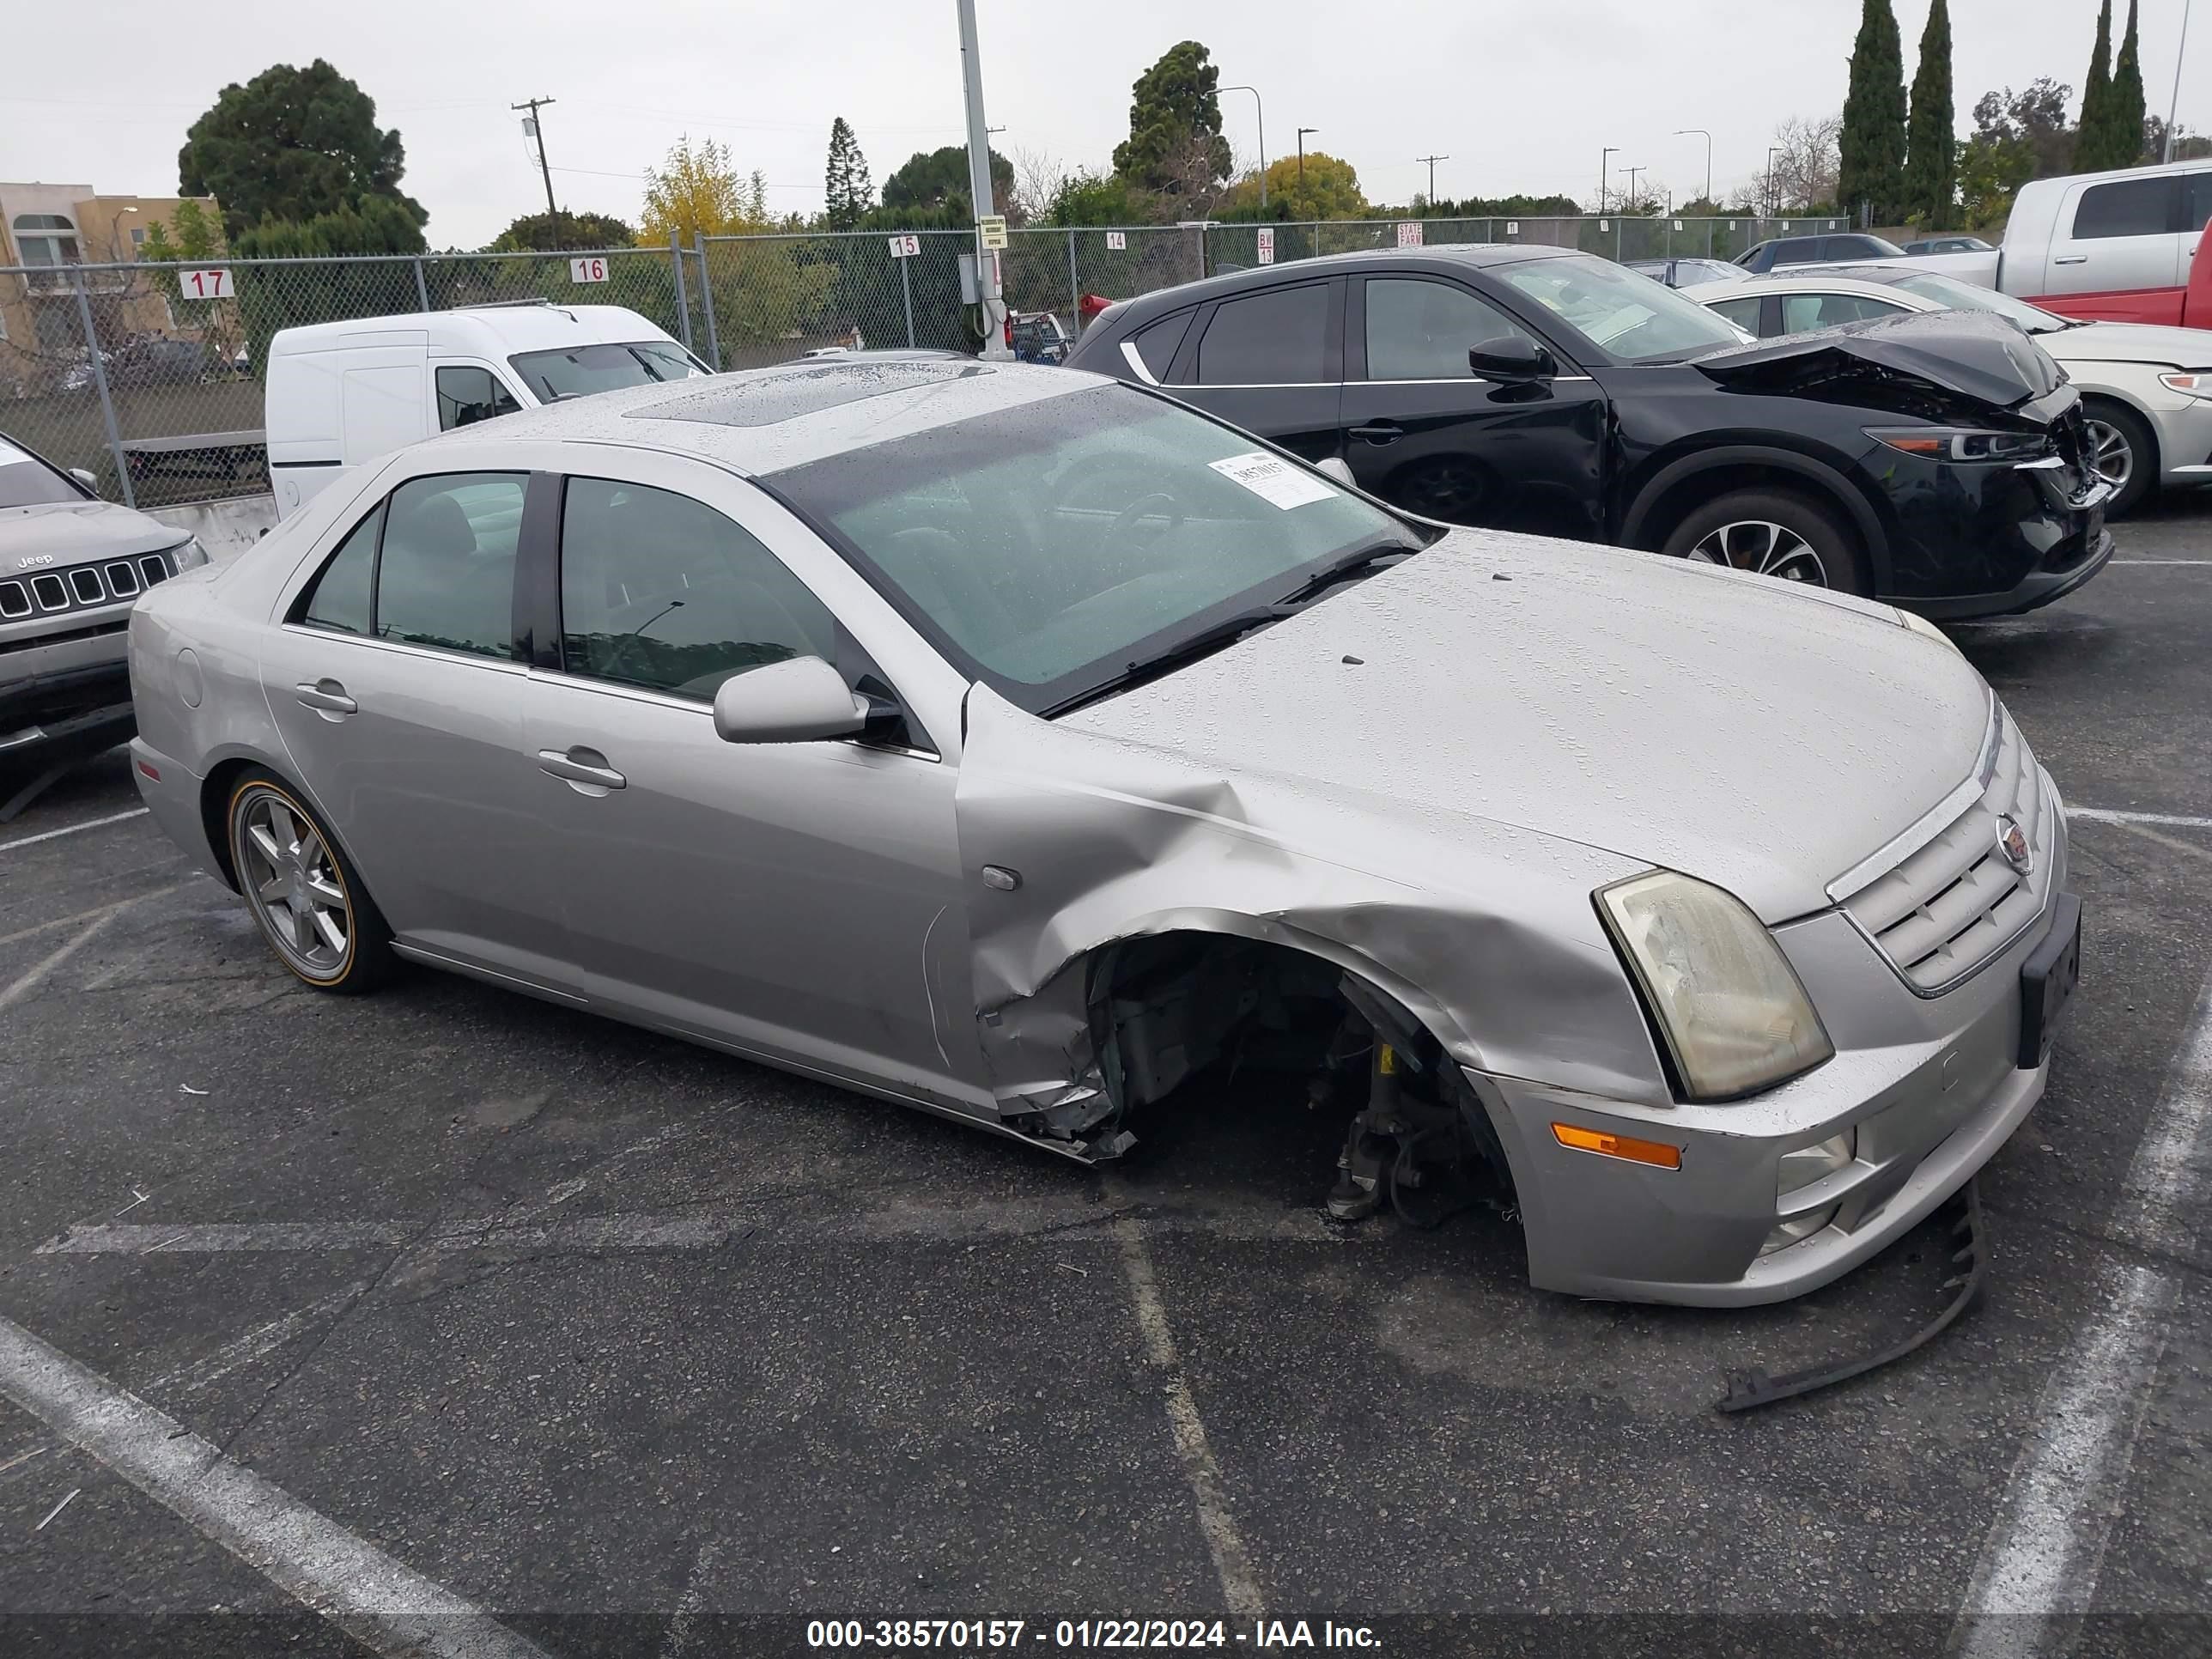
x=1968, y=296
x=578, y=371
x=1052, y=549
x=1631, y=316
x=26, y=481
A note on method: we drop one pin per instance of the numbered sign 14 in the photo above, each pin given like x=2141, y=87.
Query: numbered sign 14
x=213, y=283
x=1116, y=241
x=592, y=267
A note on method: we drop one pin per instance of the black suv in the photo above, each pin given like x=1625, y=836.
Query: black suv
x=1934, y=460
x=1763, y=257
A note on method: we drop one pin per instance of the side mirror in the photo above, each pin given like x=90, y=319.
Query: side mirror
x=85, y=478
x=803, y=700
x=1512, y=360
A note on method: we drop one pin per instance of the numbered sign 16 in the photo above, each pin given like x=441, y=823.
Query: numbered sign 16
x=1267, y=245
x=904, y=248
x=592, y=267
x=213, y=283
x=1116, y=241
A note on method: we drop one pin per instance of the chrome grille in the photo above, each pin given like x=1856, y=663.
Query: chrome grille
x=14, y=600
x=82, y=587
x=1949, y=907
x=84, y=582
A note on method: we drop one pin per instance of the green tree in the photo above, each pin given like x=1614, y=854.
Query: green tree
x=1085, y=197
x=1872, y=141
x=1175, y=110
x=293, y=144
x=847, y=191
x=192, y=234
x=1931, y=155
x=2097, y=95
x=2125, y=146
x=271, y=297
x=2018, y=136
x=939, y=180
x=551, y=233
x=1329, y=189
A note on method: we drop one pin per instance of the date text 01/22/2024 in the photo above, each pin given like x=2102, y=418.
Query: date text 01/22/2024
x=973, y=1635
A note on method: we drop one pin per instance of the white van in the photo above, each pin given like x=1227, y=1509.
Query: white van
x=341, y=393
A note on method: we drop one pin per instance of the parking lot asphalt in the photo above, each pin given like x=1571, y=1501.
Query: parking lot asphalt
x=446, y=1321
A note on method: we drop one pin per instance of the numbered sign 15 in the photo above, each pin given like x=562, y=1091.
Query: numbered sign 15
x=213, y=283
x=591, y=269
x=904, y=248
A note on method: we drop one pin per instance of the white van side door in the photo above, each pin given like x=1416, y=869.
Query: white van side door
x=381, y=401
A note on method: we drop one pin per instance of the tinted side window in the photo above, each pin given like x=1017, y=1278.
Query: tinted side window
x=1421, y=331
x=468, y=394
x=2127, y=207
x=1156, y=343
x=2196, y=200
x=447, y=574
x=1277, y=339
x=1800, y=311
x=1798, y=250
x=660, y=591
x=339, y=596
x=1744, y=314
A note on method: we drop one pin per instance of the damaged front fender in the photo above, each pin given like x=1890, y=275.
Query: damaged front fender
x=1072, y=841
x=1967, y=366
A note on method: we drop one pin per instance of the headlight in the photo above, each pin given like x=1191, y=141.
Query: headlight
x=2190, y=382
x=1956, y=443
x=1725, y=999
x=188, y=555
x=1928, y=629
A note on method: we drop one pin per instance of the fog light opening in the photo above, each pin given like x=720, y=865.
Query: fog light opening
x=1798, y=1228
x=1798, y=1170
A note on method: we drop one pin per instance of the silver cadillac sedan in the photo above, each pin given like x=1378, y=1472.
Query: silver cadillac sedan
x=1031, y=749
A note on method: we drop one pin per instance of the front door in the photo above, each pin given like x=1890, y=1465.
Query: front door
x=2116, y=254
x=1420, y=430
x=790, y=899
x=396, y=685
x=1270, y=362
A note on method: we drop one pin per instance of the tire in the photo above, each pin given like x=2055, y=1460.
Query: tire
x=1773, y=532
x=2118, y=434
x=306, y=896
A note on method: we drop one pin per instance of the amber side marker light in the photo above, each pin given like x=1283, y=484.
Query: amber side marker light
x=1657, y=1153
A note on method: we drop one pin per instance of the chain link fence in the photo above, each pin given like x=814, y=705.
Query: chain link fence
x=149, y=376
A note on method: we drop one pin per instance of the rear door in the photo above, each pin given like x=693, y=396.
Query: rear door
x=1270, y=360
x=1422, y=431
x=2117, y=253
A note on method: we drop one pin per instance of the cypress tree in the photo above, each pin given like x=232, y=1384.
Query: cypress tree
x=2125, y=146
x=2096, y=97
x=847, y=191
x=1872, y=147
x=1931, y=163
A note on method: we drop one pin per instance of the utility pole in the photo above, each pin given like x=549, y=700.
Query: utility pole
x=979, y=188
x=1432, y=160
x=2173, y=109
x=1604, y=161
x=534, y=125
x=1684, y=132
x=1259, y=115
x=1631, y=172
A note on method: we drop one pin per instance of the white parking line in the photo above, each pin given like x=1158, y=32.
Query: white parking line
x=387, y=1608
x=2039, y=1568
x=71, y=830
x=2106, y=815
x=2198, y=562
x=25, y=984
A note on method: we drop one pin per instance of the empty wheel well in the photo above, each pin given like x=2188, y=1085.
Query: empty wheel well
x=1658, y=518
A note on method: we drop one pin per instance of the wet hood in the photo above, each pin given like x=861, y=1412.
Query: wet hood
x=1938, y=365
x=2131, y=342
x=59, y=533
x=1730, y=727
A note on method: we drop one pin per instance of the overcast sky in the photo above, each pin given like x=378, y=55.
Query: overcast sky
x=1519, y=97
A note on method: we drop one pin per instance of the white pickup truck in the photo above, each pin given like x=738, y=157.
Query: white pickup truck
x=2105, y=247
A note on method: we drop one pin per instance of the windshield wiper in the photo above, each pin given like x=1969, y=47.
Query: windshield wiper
x=1358, y=561
x=1206, y=641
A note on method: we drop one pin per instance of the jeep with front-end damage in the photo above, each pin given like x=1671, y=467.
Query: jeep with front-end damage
x=1030, y=748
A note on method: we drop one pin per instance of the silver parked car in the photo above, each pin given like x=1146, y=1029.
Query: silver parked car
x=1018, y=745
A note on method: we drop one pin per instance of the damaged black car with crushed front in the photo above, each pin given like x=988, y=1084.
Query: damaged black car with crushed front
x=1937, y=461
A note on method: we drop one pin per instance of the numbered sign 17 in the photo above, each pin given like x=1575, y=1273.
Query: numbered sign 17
x=213, y=283
x=591, y=269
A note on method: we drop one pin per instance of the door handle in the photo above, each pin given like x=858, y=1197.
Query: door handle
x=326, y=697
x=1383, y=432
x=2071, y=259
x=580, y=765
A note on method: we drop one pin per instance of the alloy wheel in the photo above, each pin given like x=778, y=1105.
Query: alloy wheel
x=291, y=880
x=2112, y=457
x=1764, y=548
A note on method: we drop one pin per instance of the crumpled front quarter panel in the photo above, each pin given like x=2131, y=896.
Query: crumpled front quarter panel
x=1484, y=932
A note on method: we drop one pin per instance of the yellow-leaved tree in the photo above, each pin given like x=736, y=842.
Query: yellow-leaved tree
x=697, y=191
x=772, y=294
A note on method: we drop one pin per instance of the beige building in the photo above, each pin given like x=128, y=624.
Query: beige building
x=45, y=229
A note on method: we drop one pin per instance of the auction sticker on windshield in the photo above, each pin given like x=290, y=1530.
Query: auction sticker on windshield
x=1272, y=479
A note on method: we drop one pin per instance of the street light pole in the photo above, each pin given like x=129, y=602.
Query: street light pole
x=1301, y=157
x=1684, y=132
x=2173, y=109
x=1259, y=115
x=979, y=187
x=1773, y=184
x=115, y=233
x=1604, y=161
